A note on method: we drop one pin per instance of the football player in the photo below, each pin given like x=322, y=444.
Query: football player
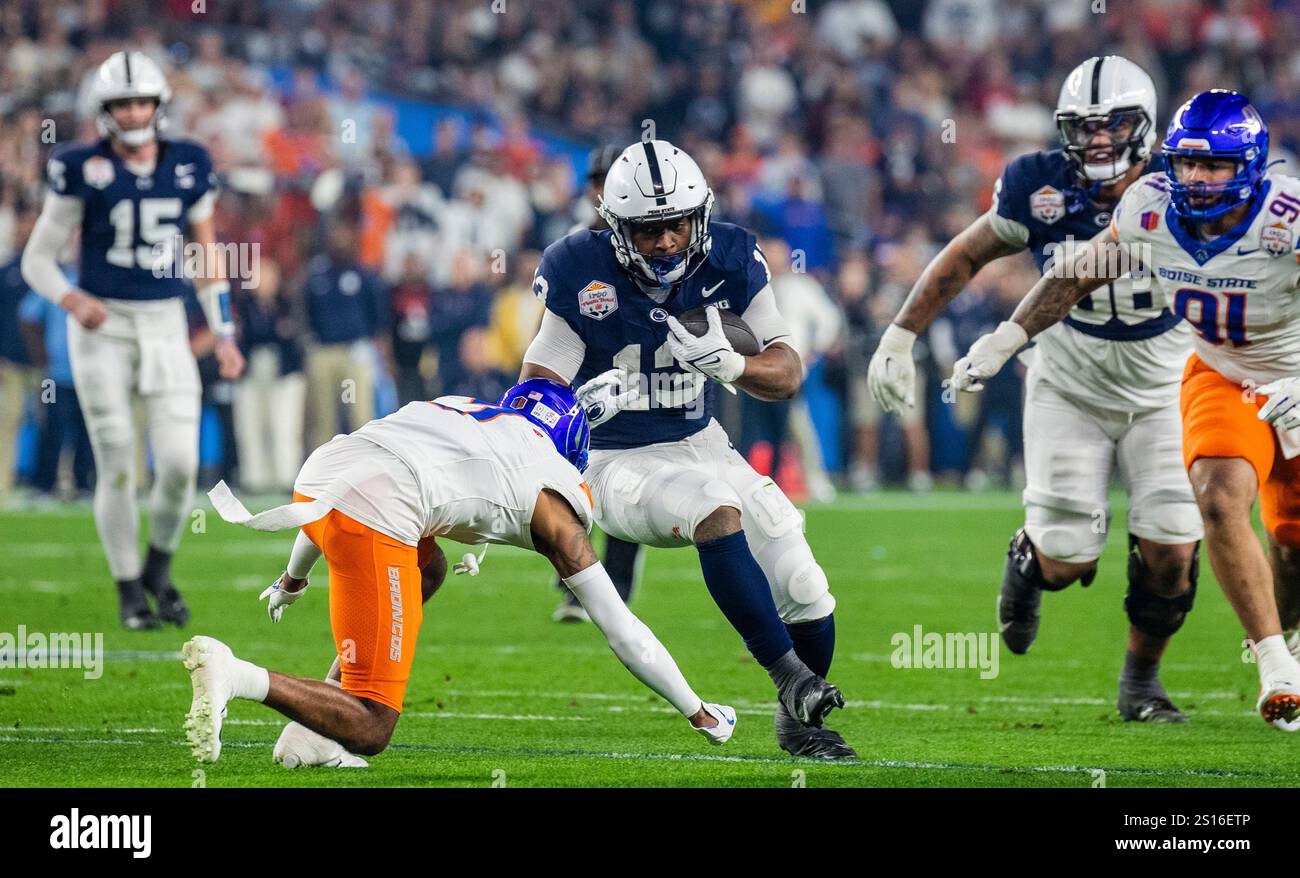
x=623, y=560
x=663, y=472
x=1216, y=234
x=133, y=196
x=1101, y=393
x=373, y=503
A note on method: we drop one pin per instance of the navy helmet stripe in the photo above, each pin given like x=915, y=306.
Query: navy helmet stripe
x=656, y=176
x=126, y=59
x=1096, y=80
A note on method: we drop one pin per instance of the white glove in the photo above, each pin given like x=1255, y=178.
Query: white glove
x=891, y=376
x=710, y=354
x=987, y=356
x=279, y=598
x=1283, y=407
x=601, y=398
x=469, y=564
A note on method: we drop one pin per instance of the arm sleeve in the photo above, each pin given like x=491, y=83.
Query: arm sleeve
x=59, y=217
x=556, y=347
x=634, y=644
x=1004, y=225
x=765, y=320
x=304, y=556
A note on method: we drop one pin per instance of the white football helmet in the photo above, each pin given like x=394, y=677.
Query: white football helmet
x=1107, y=92
x=654, y=182
x=129, y=75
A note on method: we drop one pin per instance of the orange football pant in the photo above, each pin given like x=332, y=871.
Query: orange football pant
x=1221, y=420
x=375, y=608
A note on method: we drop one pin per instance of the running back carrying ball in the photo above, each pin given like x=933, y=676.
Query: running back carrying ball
x=742, y=338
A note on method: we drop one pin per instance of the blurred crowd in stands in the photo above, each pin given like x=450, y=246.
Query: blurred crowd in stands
x=854, y=136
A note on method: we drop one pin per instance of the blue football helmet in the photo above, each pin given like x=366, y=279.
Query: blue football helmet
x=554, y=408
x=1222, y=124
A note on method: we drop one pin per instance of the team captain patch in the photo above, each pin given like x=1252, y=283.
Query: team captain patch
x=597, y=300
x=1047, y=205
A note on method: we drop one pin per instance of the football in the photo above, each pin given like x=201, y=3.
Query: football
x=742, y=338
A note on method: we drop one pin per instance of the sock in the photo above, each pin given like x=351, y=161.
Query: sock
x=132, y=589
x=1140, y=674
x=787, y=669
x=157, y=569
x=1275, y=661
x=740, y=590
x=814, y=643
x=251, y=682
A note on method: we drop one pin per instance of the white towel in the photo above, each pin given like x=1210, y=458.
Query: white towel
x=279, y=518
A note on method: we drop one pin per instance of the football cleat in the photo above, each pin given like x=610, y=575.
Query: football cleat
x=726, y=717
x=797, y=740
x=570, y=610
x=133, y=607
x=171, y=606
x=1020, y=596
x=300, y=747
x=1148, y=708
x=1279, y=705
x=809, y=699
x=210, y=663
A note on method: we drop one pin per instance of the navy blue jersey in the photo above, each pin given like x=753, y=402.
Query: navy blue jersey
x=125, y=215
x=1042, y=192
x=581, y=281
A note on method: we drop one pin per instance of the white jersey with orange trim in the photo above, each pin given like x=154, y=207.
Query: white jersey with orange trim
x=455, y=467
x=1240, y=291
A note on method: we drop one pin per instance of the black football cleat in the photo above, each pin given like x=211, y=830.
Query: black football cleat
x=798, y=740
x=1148, y=707
x=133, y=607
x=809, y=699
x=171, y=606
x=1020, y=596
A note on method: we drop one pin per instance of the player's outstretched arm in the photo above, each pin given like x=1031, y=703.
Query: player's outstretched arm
x=891, y=375
x=1084, y=269
x=562, y=539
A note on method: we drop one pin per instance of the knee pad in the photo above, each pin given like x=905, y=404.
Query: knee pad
x=1071, y=534
x=1151, y=613
x=1022, y=564
x=797, y=574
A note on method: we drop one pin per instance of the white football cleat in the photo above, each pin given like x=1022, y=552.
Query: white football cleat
x=1293, y=643
x=210, y=663
x=726, y=717
x=300, y=747
x=1279, y=704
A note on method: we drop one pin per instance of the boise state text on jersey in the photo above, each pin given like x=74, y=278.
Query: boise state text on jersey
x=1041, y=192
x=581, y=281
x=131, y=221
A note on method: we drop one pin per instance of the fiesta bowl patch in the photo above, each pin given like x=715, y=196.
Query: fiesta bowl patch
x=597, y=300
x=1047, y=205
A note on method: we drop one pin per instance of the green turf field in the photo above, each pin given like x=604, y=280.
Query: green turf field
x=500, y=694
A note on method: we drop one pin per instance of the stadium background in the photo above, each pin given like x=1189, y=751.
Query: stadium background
x=435, y=148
